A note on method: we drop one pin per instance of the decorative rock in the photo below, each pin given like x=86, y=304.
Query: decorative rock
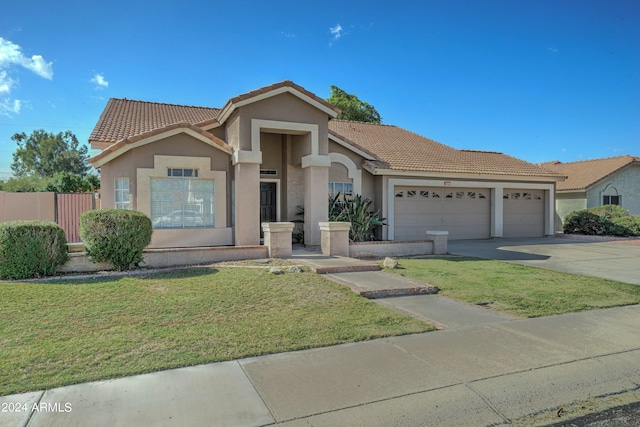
x=390, y=263
x=295, y=269
x=276, y=270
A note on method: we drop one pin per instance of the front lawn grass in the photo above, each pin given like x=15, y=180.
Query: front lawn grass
x=64, y=332
x=517, y=289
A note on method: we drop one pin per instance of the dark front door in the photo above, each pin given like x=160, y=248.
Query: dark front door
x=267, y=202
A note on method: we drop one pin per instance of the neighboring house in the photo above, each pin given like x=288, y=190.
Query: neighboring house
x=210, y=176
x=589, y=183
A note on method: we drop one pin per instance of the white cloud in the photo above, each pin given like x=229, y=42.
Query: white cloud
x=11, y=54
x=9, y=107
x=6, y=82
x=100, y=82
x=336, y=32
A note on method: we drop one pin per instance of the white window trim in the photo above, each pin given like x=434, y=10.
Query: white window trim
x=203, y=164
x=115, y=192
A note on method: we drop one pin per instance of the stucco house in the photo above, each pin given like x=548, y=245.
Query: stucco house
x=597, y=182
x=210, y=176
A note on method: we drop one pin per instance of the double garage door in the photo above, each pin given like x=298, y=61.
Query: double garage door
x=465, y=212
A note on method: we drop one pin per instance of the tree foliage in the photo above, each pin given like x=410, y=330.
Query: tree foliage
x=352, y=107
x=61, y=182
x=43, y=154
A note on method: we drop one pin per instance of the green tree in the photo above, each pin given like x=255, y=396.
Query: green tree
x=66, y=182
x=42, y=154
x=24, y=184
x=352, y=107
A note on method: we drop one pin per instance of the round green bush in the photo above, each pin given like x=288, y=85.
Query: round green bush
x=608, y=220
x=117, y=236
x=31, y=249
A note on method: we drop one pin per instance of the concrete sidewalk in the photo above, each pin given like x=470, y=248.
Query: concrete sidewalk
x=474, y=376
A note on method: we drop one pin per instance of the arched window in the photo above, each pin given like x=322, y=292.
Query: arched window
x=610, y=196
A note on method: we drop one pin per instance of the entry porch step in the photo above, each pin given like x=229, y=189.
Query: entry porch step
x=324, y=264
x=374, y=285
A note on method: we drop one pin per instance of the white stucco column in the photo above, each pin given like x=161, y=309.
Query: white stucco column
x=550, y=214
x=497, y=212
x=247, y=199
x=316, y=196
x=277, y=237
x=335, y=238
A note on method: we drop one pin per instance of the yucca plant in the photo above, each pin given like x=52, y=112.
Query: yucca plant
x=356, y=210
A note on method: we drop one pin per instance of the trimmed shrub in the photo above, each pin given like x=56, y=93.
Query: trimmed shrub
x=608, y=220
x=117, y=236
x=31, y=249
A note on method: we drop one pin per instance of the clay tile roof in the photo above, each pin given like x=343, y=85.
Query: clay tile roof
x=124, y=118
x=400, y=149
x=275, y=86
x=583, y=174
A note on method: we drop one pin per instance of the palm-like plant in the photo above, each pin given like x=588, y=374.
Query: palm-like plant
x=356, y=210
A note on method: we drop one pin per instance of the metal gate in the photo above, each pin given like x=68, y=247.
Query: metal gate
x=69, y=207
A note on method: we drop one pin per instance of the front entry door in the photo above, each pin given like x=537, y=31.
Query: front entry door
x=267, y=203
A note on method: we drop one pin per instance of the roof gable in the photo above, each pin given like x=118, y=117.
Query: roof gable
x=584, y=174
x=126, y=144
x=285, y=86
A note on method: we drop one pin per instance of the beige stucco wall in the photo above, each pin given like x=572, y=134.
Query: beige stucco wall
x=567, y=203
x=27, y=206
x=181, y=151
x=338, y=173
x=627, y=184
x=142, y=157
x=271, y=145
x=284, y=107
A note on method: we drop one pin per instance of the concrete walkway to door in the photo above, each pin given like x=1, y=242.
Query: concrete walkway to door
x=615, y=260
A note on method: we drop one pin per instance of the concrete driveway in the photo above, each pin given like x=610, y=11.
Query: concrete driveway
x=619, y=260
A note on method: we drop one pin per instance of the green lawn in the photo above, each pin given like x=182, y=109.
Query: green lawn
x=63, y=332
x=517, y=289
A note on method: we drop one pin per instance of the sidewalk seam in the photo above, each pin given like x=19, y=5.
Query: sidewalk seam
x=257, y=392
x=26, y=424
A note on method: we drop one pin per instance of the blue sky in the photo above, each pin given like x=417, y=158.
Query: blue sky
x=539, y=80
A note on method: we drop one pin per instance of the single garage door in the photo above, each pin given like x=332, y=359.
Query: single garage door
x=464, y=212
x=523, y=213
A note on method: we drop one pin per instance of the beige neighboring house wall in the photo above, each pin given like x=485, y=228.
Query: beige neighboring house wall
x=27, y=206
x=588, y=181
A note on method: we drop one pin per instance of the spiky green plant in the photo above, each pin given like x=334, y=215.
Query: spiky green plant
x=356, y=210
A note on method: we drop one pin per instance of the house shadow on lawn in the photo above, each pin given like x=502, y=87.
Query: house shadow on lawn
x=139, y=274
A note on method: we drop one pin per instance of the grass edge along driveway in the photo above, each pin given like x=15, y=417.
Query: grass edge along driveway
x=64, y=332
x=517, y=289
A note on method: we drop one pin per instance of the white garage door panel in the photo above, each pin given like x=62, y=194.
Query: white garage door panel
x=464, y=213
x=523, y=213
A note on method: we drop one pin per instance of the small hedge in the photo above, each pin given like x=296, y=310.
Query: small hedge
x=115, y=235
x=608, y=220
x=31, y=249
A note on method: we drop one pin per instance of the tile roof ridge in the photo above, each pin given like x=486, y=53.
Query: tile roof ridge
x=162, y=103
x=628, y=156
x=469, y=150
x=364, y=123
